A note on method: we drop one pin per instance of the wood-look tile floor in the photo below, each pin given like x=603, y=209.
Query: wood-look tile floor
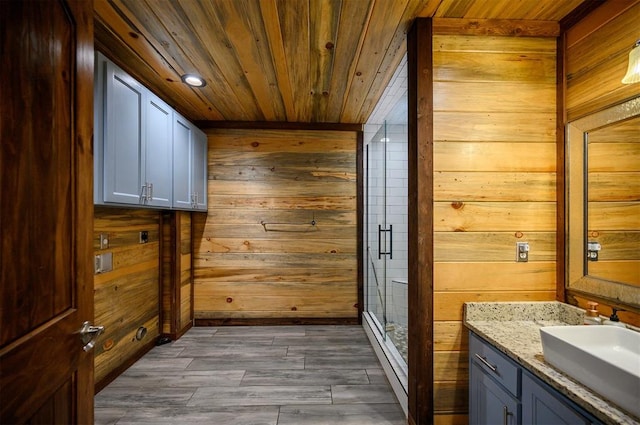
x=281, y=375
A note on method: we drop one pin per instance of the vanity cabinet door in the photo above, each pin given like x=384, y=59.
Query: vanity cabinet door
x=489, y=402
x=542, y=406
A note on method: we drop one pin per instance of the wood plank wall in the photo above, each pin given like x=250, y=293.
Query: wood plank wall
x=177, y=282
x=596, y=57
x=257, y=254
x=127, y=297
x=494, y=185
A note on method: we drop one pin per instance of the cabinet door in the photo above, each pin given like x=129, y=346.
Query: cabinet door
x=199, y=186
x=542, y=406
x=99, y=96
x=489, y=403
x=123, y=137
x=182, y=154
x=158, y=152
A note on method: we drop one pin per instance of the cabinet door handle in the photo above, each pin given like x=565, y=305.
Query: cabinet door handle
x=486, y=363
x=150, y=191
x=505, y=415
x=143, y=193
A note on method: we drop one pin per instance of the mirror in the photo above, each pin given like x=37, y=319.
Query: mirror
x=603, y=205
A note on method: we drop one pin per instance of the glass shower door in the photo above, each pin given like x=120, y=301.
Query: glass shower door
x=386, y=235
x=376, y=229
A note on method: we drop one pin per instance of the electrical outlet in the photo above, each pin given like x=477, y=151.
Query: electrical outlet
x=144, y=236
x=522, y=252
x=104, y=240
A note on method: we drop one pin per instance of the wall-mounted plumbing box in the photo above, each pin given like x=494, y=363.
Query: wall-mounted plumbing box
x=103, y=263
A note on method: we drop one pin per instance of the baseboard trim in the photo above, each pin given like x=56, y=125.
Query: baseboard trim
x=284, y=321
x=174, y=336
x=111, y=376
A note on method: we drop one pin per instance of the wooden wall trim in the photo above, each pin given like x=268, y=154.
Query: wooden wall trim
x=279, y=321
x=495, y=27
x=168, y=280
x=176, y=293
x=171, y=259
x=360, y=220
x=420, y=155
x=578, y=14
x=561, y=247
x=174, y=336
x=268, y=125
x=192, y=313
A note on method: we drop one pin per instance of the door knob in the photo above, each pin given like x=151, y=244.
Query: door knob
x=89, y=334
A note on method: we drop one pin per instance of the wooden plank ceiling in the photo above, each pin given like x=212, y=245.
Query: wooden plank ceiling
x=324, y=61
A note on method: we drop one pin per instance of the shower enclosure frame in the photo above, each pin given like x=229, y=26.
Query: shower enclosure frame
x=378, y=252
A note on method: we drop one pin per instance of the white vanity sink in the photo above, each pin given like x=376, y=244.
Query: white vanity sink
x=605, y=359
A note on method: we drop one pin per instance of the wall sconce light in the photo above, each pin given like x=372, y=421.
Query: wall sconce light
x=633, y=72
x=193, y=80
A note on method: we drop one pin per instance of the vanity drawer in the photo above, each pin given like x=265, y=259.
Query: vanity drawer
x=504, y=370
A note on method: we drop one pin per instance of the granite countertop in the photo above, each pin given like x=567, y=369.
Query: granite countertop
x=514, y=329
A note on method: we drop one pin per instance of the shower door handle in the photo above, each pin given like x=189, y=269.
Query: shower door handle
x=390, y=252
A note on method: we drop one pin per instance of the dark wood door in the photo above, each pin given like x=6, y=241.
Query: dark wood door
x=46, y=211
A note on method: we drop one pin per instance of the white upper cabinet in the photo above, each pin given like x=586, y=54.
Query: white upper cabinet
x=124, y=136
x=189, y=166
x=182, y=154
x=158, y=155
x=145, y=153
x=200, y=170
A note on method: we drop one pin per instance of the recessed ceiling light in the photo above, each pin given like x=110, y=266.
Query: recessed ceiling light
x=193, y=80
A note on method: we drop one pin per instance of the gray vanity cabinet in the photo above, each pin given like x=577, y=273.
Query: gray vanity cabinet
x=493, y=386
x=189, y=166
x=501, y=391
x=542, y=405
x=491, y=403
